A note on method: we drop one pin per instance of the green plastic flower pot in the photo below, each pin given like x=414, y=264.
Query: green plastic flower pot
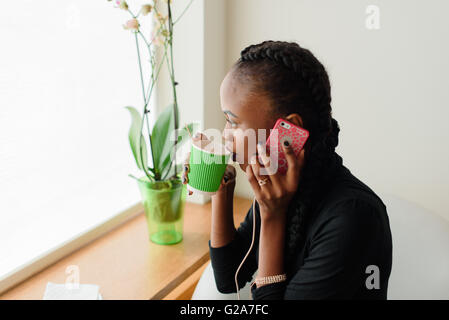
x=163, y=203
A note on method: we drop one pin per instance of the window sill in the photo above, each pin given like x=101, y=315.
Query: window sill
x=126, y=265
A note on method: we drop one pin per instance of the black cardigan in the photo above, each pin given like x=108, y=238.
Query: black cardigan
x=350, y=232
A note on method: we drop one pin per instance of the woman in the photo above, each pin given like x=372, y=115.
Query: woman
x=321, y=233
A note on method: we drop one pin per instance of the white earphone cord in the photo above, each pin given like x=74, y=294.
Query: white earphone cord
x=250, y=247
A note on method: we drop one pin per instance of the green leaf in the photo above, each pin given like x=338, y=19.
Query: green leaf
x=161, y=135
x=171, y=171
x=136, y=140
x=143, y=147
x=167, y=168
x=179, y=168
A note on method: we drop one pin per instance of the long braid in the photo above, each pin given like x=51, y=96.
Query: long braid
x=306, y=92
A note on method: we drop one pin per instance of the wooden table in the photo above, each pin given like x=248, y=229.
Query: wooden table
x=126, y=265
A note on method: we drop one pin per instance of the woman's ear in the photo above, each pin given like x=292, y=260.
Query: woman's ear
x=295, y=119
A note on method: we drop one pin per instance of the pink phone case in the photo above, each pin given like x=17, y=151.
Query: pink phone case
x=295, y=135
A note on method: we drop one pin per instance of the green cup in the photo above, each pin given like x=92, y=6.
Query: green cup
x=207, y=166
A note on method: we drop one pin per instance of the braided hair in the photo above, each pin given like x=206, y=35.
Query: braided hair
x=296, y=82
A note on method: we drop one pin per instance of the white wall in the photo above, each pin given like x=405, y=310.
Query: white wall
x=389, y=86
x=199, y=58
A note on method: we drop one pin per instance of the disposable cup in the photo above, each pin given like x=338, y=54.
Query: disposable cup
x=208, y=161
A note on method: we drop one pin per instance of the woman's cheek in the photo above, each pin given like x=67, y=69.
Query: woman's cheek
x=240, y=147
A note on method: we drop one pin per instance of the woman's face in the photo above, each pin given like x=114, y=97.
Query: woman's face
x=245, y=114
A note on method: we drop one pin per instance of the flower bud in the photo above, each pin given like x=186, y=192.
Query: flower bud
x=122, y=4
x=165, y=33
x=146, y=9
x=132, y=24
x=161, y=18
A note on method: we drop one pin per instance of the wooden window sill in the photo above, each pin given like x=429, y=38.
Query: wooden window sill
x=126, y=265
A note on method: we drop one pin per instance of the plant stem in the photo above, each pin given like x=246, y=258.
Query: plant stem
x=145, y=116
x=147, y=100
x=157, y=76
x=150, y=89
x=184, y=11
x=175, y=104
x=144, y=39
x=147, y=94
x=144, y=165
x=140, y=69
x=132, y=14
x=152, y=60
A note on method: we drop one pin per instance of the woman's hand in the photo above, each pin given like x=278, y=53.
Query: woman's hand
x=275, y=195
x=227, y=184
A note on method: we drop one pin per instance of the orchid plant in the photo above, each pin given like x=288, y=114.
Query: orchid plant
x=161, y=145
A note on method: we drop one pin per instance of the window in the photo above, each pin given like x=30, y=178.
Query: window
x=67, y=70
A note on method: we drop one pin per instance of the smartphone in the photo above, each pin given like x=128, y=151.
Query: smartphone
x=284, y=130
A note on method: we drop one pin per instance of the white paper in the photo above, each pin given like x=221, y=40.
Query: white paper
x=72, y=292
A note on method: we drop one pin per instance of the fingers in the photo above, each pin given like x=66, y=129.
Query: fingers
x=229, y=174
x=267, y=188
x=254, y=163
x=267, y=169
x=185, y=167
x=289, y=153
x=185, y=171
x=264, y=158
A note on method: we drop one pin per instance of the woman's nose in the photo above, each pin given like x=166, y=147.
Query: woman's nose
x=228, y=137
